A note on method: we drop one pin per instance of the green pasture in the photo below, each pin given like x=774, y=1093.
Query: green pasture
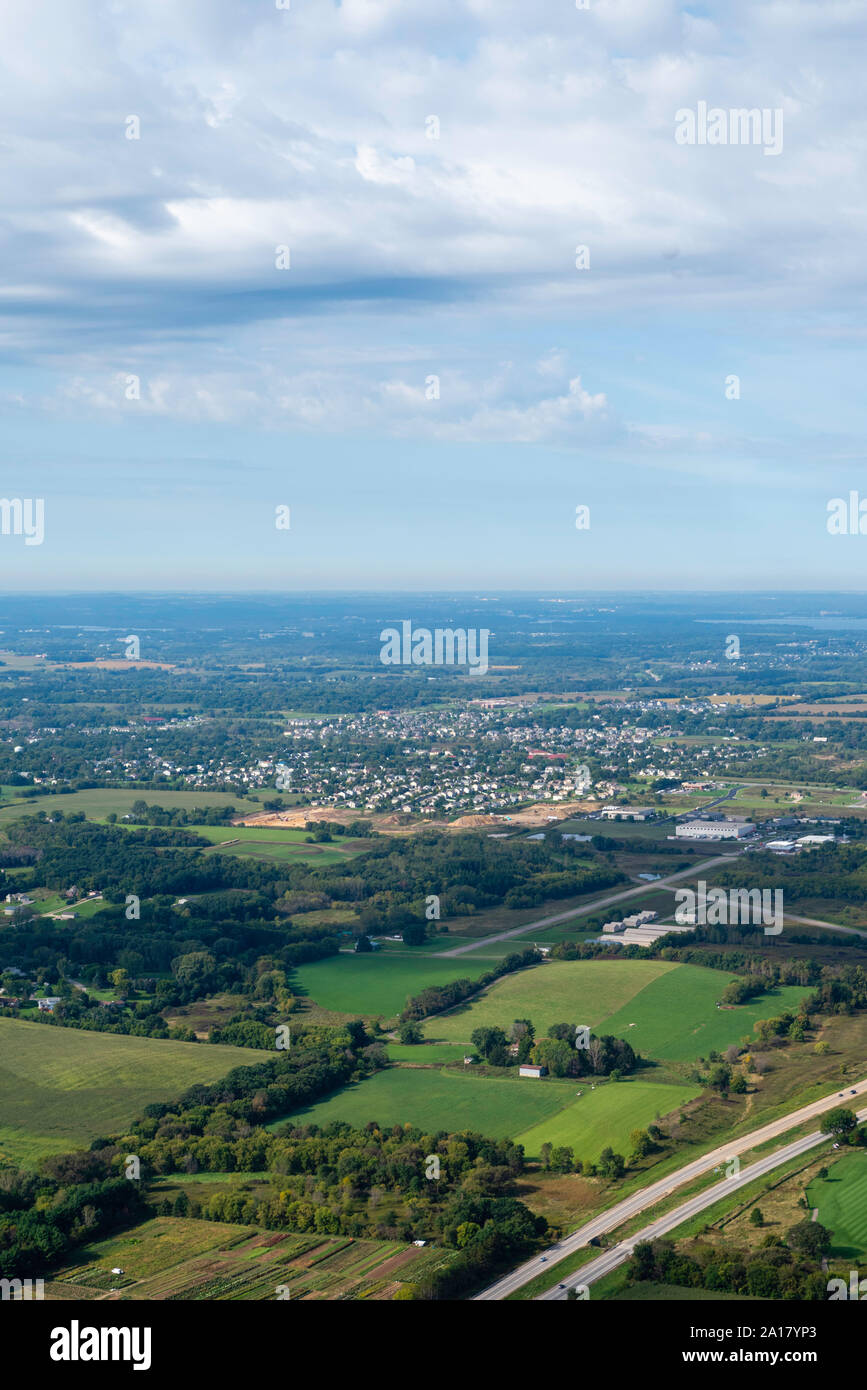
x=841, y=1199
x=98, y=802
x=604, y=1116
x=664, y=1010
x=557, y=992
x=448, y=1100
x=374, y=983
x=676, y=1017
x=62, y=1087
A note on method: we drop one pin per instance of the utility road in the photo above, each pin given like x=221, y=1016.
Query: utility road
x=591, y=907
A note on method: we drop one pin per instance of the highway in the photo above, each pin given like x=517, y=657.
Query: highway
x=612, y=1258
x=649, y=1196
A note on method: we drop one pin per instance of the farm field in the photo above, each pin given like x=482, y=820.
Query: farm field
x=98, y=802
x=426, y=1054
x=282, y=853
x=676, y=1018
x=264, y=834
x=605, y=1116
x=375, y=984
x=177, y=1258
x=436, y=1100
x=337, y=917
x=61, y=1088
x=841, y=1199
x=662, y=1009
x=557, y=992
x=625, y=829
x=45, y=902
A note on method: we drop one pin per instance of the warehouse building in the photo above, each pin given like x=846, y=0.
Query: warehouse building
x=714, y=830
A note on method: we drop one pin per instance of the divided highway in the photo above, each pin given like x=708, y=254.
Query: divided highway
x=612, y=1258
x=648, y=1196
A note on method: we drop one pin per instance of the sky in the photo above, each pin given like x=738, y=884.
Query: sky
x=325, y=258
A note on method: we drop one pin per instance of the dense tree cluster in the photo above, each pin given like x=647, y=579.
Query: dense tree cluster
x=435, y=998
x=777, y=1270
x=41, y=1218
x=565, y=1051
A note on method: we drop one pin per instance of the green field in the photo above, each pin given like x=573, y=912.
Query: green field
x=427, y=1053
x=98, y=802
x=522, y=1108
x=276, y=834
x=664, y=1010
x=557, y=992
x=436, y=1100
x=676, y=1017
x=282, y=853
x=841, y=1199
x=62, y=1087
x=377, y=983
x=621, y=829
x=605, y=1116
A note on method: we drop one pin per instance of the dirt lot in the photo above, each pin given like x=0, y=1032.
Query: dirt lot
x=399, y=823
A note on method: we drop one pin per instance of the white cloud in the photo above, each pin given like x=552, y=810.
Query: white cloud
x=332, y=402
x=556, y=127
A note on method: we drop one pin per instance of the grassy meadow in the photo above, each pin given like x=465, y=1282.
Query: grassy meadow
x=841, y=1200
x=62, y=1087
x=448, y=1100
x=378, y=982
x=664, y=1010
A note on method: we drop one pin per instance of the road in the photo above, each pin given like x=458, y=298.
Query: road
x=591, y=907
x=648, y=1196
x=595, y=1269
x=802, y=921
x=828, y=926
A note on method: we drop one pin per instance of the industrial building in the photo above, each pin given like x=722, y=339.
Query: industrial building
x=714, y=830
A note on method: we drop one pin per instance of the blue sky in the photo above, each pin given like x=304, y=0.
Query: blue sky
x=413, y=258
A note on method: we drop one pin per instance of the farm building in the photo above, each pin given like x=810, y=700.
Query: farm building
x=532, y=1071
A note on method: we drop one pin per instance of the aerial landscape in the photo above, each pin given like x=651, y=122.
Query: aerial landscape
x=410, y=990
x=433, y=667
